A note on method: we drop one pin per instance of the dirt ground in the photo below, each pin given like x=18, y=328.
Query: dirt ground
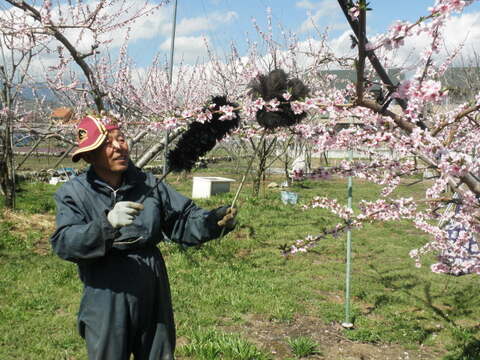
x=333, y=345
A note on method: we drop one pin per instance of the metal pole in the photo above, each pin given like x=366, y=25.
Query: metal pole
x=347, y=323
x=170, y=75
x=30, y=152
x=64, y=155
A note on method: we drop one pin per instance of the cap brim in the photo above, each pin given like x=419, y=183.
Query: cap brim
x=78, y=154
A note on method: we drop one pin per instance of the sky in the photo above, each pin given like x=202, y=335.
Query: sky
x=220, y=22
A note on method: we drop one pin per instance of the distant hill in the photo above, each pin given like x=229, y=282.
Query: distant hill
x=348, y=76
x=41, y=90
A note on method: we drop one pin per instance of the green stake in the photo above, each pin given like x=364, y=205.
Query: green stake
x=347, y=323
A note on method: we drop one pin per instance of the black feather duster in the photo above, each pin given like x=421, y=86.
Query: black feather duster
x=273, y=86
x=201, y=137
x=198, y=139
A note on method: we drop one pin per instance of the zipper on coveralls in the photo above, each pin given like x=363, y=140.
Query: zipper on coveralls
x=113, y=199
x=113, y=196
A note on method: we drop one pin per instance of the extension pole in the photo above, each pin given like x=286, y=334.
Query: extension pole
x=149, y=192
x=235, y=198
x=347, y=323
x=243, y=181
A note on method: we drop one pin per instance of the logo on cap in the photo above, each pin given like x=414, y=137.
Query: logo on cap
x=82, y=135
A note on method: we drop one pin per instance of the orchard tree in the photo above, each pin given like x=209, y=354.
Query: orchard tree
x=78, y=32
x=18, y=47
x=74, y=33
x=423, y=133
x=445, y=140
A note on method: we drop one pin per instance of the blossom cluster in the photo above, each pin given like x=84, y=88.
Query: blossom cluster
x=445, y=7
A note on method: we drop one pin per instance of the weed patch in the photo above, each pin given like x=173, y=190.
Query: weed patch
x=303, y=346
x=214, y=345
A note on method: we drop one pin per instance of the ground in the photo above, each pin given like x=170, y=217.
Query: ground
x=265, y=334
x=333, y=345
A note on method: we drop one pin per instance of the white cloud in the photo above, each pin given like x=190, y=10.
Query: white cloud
x=459, y=29
x=322, y=14
x=191, y=25
x=160, y=24
x=145, y=28
x=341, y=46
x=306, y=4
x=462, y=29
x=189, y=49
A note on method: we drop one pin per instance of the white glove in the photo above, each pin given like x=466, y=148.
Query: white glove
x=123, y=213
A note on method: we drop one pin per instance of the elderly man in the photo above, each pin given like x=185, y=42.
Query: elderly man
x=126, y=307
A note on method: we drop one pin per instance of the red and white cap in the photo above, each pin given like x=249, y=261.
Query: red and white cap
x=91, y=133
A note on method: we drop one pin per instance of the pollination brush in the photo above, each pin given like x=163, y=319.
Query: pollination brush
x=276, y=85
x=200, y=138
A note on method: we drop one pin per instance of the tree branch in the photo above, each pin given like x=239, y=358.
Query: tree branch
x=77, y=57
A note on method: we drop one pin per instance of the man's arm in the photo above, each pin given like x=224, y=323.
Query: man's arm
x=75, y=239
x=185, y=222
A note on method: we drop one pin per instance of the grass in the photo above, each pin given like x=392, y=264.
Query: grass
x=213, y=345
x=303, y=346
x=238, y=298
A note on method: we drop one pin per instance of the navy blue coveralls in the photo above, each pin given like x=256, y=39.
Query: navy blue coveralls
x=126, y=306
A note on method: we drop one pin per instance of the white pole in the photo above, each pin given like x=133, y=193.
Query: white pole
x=170, y=75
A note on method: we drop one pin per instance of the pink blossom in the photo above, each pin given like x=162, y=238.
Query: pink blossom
x=170, y=123
x=204, y=116
x=403, y=90
x=273, y=105
x=259, y=103
x=444, y=7
x=228, y=112
x=431, y=90
x=297, y=107
x=354, y=12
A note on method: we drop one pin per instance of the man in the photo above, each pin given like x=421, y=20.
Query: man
x=126, y=306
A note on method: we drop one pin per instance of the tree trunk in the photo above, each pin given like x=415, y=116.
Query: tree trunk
x=156, y=149
x=262, y=154
x=7, y=169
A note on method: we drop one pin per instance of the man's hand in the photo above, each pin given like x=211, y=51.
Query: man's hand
x=123, y=213
x=228, y=220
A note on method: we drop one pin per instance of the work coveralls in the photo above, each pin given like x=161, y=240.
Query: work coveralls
x=126, y=306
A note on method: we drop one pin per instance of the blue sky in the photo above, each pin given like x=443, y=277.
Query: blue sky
x=224, y=21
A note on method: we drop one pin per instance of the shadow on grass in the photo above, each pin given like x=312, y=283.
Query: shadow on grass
x=406, y=283
x=466, y=344
x=460, y=302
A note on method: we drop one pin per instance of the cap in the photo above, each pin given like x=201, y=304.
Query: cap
x=91, y=133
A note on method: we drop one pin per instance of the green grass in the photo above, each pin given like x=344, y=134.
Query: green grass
x=35, y=198
x=212, y=345
x=303, y=346
x=226, y=290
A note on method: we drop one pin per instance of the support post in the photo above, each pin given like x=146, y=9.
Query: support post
x=170, y=75
x=348, y=321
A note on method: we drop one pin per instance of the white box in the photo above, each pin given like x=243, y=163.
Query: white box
x=205, y=186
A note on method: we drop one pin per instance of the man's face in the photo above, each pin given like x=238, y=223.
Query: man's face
x=112, y=156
